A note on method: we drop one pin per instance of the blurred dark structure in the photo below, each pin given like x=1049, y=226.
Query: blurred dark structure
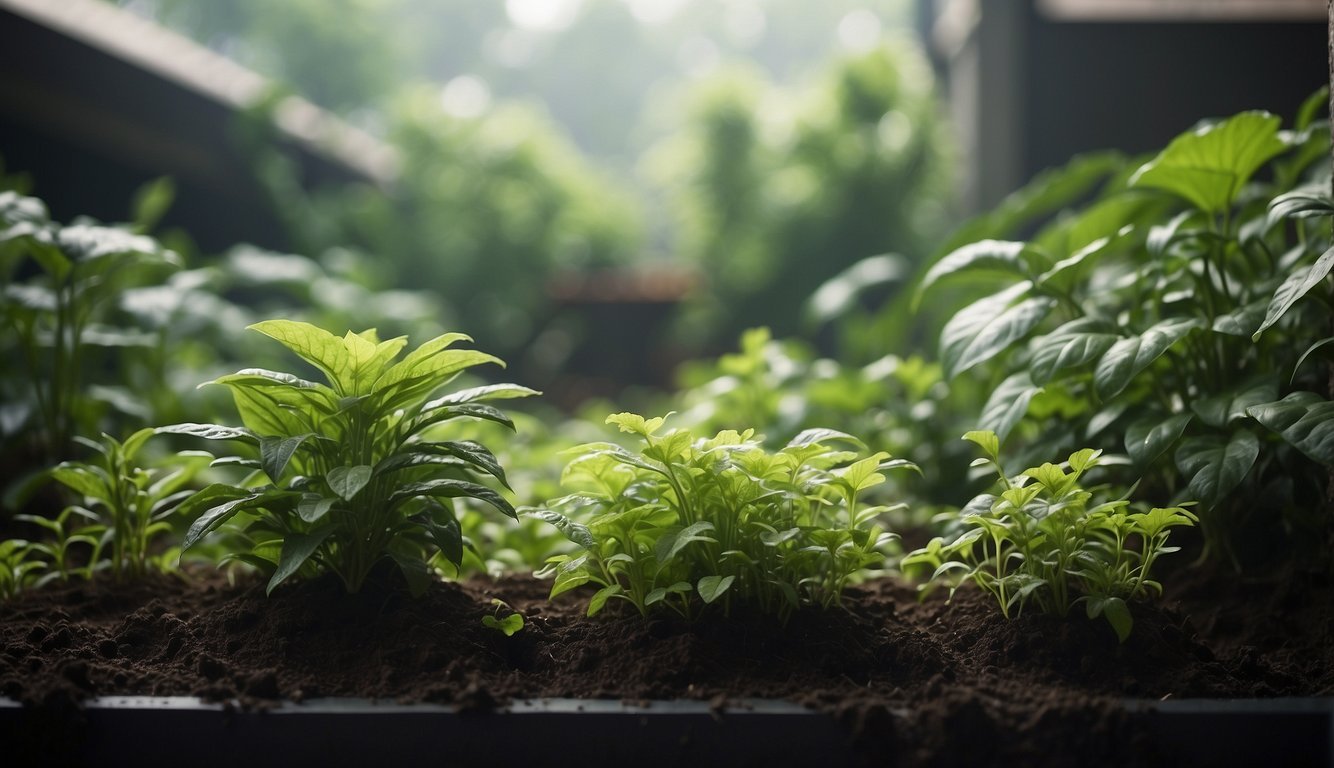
x=95, y=102
x=1033, y=82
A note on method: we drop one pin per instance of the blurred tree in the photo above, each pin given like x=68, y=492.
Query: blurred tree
x=772, y=202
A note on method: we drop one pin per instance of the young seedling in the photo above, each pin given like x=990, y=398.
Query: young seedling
x=347, y=474
x=509, y=625
x=1044, y=540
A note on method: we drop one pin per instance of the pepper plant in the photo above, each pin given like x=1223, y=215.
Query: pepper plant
x=347, y=473
x=1175, y=316
x=1045, y=540
x=688, y=522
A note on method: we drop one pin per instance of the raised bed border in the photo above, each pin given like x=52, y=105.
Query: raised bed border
x=146, y=731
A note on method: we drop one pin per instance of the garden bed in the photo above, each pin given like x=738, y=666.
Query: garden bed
x=928, y=683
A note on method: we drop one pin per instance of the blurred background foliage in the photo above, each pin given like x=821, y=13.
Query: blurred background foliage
x=755, y=149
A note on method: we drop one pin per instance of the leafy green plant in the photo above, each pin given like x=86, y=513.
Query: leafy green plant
x=18, y=570
x=509, y=625
x=348, y=475
x=1045, y=540
x=75, y=525
x=60, y=282
x=129, y=503
x=1172, y=315
x=690, y=522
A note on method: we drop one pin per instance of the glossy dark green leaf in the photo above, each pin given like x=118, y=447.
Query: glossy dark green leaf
x=312, y=508
x=297, y=549
x=1007, y=404
x=1214, y=466
x=1060, y=350
x=1146, y=440
x=1241, y=321
x=1297, y=285
x=487, y=392
x=1306, y=202
x=482, y=411
x=1128, y=357
x=988, y=327
x=231, y=503
x=1304, y=419
x=450, y=488
x=276, y=452
x=1220, y=410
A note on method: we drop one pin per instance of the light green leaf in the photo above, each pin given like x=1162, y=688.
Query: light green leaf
x=1304, y=419
x=1128, y=357
x=487, y=392
x=636, y=424
x=314, y=345
x=987, y=440
x=347, y=482
x=1209, y=165
x=508, y=625
x=576, y=532
x=711, y=588
x=1215, y=467
x=1297, y=285
x=600, y=598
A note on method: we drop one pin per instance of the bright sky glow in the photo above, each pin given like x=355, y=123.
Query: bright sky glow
x=543, y=15
x=654, y=11
x=859, y=31
x=465, y=96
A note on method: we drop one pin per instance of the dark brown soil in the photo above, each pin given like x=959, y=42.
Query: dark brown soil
x=934, y=683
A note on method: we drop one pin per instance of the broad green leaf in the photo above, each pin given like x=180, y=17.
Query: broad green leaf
x=1297, y=285
x=508, y=625
x=470, y=452
x=1128, y=357
x=220, y=513
x=670, y=544
x=210, y=432
x=1305, y=202
x=313, y=344
x=1216, y=467
x=1241, y=321
x=432, y=413
x=86, y=481
x=711, y=588
x=989, y=326
x=987, y=440
x=814, y=436
x=1147, y=439
x=313, y=507
x=1304, y=419
x=863, y=474
x=451, y=488
x=1004, y=256
x=422, y=361
x=600, y=598
x=487, y=392
x=1115, y=610
x=276, y=452
x=636, y=424
x=297, y=549
x=1223, y=409
x=1007, y=404
x=567, y=580
x=347, y=482
x=1059, y=350
x=416, y=572
x=661, y=593
x=1209, y=165
x=576, y=532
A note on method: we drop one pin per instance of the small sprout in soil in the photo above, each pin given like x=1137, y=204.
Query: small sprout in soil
x=510, y=624
x=1044, y=540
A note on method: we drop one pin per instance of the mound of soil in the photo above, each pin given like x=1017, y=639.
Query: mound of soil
x=933, y=683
